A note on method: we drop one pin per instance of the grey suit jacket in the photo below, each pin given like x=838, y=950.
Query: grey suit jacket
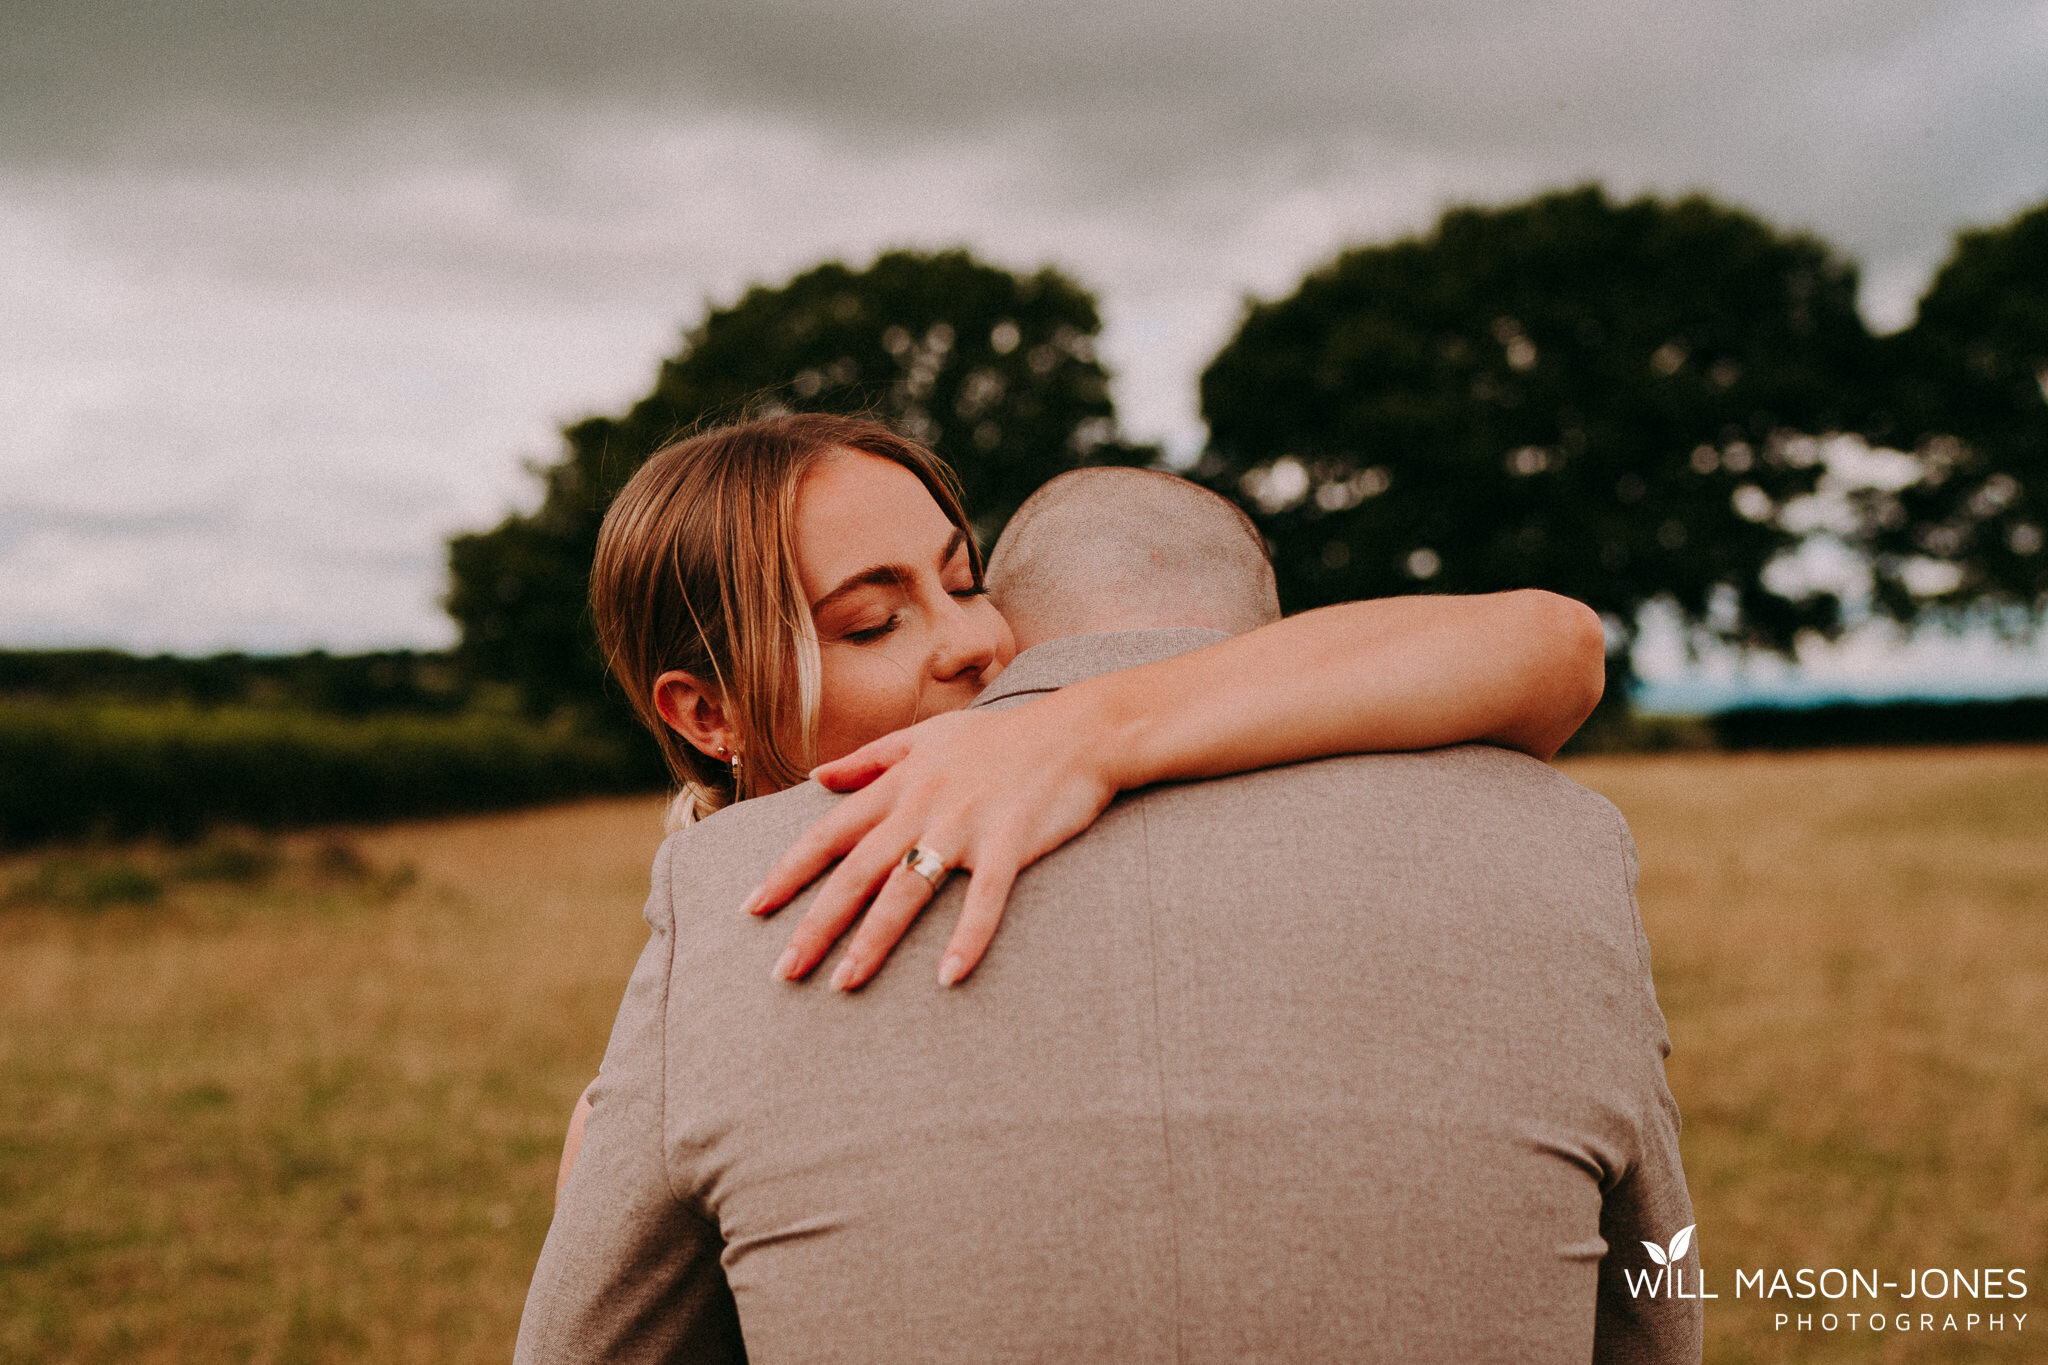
x=1356, y=1059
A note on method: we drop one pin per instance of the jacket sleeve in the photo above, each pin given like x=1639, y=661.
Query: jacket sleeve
x=629, y=1272
x=1647, y=1312
x=1641, y=1315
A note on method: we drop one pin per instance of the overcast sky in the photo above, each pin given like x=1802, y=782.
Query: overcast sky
x=288, y=291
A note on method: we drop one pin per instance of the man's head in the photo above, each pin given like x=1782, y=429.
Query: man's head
x=1129, y=549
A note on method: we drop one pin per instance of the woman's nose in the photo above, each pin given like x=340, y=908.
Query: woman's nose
x=967, y=642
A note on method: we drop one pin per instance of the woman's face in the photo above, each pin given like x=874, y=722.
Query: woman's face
x=904, y=631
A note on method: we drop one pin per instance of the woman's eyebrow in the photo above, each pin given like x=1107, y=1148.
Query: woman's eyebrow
x=879, y=576
x=886, y=575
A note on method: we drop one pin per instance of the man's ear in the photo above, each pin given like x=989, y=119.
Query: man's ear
x=696, y=712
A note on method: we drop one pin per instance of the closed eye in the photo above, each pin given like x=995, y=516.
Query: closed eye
x=872, y=633
x=954, y=562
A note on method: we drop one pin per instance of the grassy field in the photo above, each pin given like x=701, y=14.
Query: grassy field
x=1852, y=951
x=301, y=1101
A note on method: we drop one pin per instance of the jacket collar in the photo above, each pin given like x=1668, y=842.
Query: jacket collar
x=1074, y=658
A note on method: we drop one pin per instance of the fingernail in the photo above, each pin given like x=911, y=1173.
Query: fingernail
x=752, y=904
x=842, y=976
x=785, y=966
x=952, y=969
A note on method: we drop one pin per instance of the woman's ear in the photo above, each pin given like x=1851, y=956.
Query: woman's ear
x=695, y=712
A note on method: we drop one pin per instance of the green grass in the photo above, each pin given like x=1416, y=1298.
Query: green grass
x=305, y=1103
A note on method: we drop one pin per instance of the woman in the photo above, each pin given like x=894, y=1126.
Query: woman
x=803, y=595
x=783, y=594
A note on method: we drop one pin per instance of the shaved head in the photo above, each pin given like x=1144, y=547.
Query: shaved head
x=1129, y=549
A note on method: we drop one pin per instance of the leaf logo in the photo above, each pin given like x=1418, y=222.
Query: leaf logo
x=1676, y=1252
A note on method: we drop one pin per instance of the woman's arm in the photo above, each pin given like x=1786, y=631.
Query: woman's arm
x=994, y=791
x=1521, y=669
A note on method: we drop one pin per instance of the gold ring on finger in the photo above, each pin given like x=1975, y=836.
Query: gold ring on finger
x=927, y=865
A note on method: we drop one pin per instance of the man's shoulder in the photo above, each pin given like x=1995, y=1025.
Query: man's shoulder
x=1460, y=784
x=1482, y=817
x=762, y=827
x=717, y=860
x=1464, y=785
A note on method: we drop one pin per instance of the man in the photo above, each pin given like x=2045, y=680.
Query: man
x=1356, y=1059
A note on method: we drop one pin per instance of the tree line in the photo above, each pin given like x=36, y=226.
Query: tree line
x=1628, y=402
x=1657, y=401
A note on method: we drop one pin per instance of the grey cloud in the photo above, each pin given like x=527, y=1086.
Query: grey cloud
x=96, y=73
x=202, y=592
x=18, y=521
x=321, y=250
x=1886, y=122
x=937, y=65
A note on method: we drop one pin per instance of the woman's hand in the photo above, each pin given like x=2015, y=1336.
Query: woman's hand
x=989, y=792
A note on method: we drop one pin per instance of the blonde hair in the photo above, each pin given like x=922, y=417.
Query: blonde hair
x=696, y=570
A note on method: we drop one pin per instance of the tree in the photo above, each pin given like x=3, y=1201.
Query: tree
x=1969, y=394
x=1613, y=401
x=995, y=370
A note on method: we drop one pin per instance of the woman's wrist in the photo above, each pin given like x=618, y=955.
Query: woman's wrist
x=1114, y=728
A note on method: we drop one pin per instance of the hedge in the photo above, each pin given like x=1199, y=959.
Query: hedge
x=122, y=770
x=2018, y=720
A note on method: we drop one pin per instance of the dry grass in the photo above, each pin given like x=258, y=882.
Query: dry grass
x=315, y=1117
x=1852, y=952
x=311, y=1121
